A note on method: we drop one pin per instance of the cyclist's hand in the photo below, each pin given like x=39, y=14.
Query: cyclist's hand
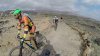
x=24, y=36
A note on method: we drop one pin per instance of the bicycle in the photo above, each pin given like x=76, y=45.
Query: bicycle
x=22, y=50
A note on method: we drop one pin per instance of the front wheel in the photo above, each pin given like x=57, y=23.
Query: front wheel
x=15, y=51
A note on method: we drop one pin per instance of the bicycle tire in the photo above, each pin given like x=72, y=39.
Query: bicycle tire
x=42, y=39
x=17, y=48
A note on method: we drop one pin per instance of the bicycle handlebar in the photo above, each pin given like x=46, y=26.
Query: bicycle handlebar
x=21, y=38
x=18, y=36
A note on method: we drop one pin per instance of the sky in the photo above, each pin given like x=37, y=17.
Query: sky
x=88, y=8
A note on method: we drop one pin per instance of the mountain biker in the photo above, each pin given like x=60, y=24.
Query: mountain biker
x=55, y=19
x=29, y=26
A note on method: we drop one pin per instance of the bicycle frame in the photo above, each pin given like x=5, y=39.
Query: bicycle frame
x=22, y=41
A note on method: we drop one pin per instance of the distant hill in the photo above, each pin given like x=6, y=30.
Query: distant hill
x=43, y=11
x=48, y=11
x=25, y=11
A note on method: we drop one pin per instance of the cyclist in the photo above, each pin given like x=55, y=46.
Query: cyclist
x=29, y=26
x=55, y=19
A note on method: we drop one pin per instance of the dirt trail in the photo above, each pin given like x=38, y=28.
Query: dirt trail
x=65, y=40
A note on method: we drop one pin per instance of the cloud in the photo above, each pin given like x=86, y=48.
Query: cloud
x=82, y=7
x=3, y=5
x=62, y=5
x=92, y=2
x=95, y=14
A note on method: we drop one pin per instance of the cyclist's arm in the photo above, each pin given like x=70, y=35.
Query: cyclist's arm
x=19, y=25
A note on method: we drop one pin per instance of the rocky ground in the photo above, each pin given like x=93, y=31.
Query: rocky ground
x=75, y=36
x=88, y=29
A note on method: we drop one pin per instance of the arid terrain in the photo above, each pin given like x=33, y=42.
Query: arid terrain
x=75, y=35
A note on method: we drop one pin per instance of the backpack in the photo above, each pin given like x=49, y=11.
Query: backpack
x=25, y=14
